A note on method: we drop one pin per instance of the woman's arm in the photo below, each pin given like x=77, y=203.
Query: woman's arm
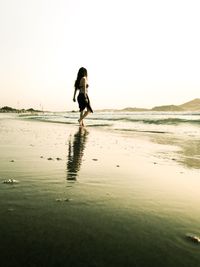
x=74, y=97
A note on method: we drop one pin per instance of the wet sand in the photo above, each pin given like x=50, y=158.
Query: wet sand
x=90, y=197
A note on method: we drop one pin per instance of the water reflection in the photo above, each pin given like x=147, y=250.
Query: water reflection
x=76, y=148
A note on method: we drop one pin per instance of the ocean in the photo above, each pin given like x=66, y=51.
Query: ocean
x=187, y=123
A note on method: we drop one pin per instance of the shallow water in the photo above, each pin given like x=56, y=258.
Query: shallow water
x=112, y=200
x=162, y=122
x=170, y=128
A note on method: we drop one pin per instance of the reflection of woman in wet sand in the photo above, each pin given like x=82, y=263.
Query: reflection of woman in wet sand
x=75, y=153
x=81, y=84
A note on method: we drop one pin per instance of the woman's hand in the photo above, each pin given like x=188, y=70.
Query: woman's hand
x=74, y=99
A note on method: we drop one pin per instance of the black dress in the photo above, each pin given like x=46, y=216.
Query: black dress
x=83, y=103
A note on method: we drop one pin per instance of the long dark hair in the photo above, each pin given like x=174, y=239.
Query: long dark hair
x=81, y=73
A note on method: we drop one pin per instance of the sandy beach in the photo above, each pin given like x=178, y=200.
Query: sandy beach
x=73, y=196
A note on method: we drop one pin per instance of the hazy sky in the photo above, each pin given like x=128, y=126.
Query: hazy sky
x=138, y=53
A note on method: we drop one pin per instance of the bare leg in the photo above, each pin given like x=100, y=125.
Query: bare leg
x=80, y=119
x=82, y=116
x=85, y=114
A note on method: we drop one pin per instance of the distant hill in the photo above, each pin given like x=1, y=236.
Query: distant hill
x=9, y=109
x=193, y=105
x=168, y=108
x=129, y=109
x=134, y=109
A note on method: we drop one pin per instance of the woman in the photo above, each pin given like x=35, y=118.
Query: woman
x=81, y=84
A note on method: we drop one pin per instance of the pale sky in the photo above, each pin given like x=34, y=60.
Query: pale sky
x=138, y=53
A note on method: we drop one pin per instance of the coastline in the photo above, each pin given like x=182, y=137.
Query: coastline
x=90, y=197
